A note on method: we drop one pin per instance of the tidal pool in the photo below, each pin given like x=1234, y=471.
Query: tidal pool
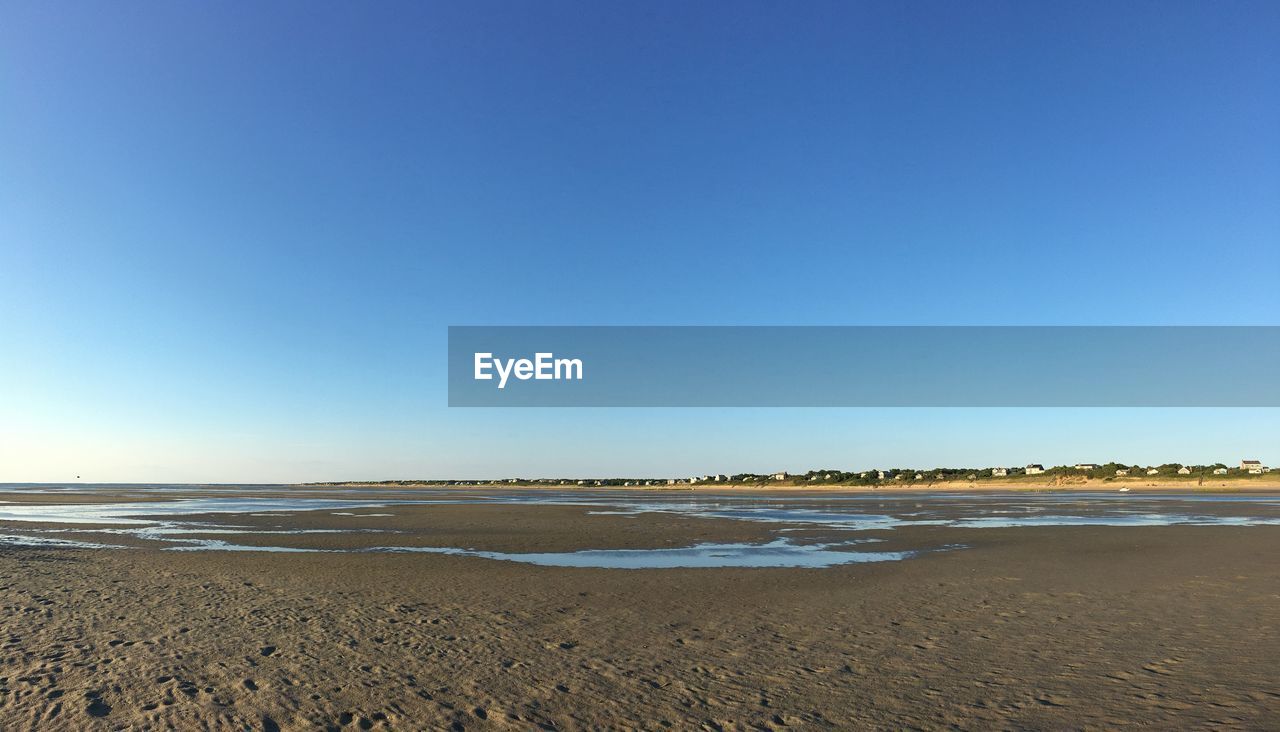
x=778, y=553
x=184, y=523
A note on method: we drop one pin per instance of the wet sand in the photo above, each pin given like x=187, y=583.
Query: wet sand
x=1033, y=627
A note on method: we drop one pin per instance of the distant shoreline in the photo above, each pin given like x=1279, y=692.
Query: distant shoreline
x=1267, y=484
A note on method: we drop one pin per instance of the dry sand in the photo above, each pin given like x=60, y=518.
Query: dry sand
x=1047, y=627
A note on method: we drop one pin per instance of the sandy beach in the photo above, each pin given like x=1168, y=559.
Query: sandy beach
x=683, y=366
x=1025, y=627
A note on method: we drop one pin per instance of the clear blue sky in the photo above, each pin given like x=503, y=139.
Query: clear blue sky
x=232, y=235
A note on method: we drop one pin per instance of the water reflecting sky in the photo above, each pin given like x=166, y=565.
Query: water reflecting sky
x=163, y=517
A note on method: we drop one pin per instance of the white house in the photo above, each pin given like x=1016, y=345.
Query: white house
x=1219, y=471
x=1035, y=469
x=1086, y=466
x=1152, y=471
x=919, y=476
x=1253, y=467
x=780, y=476
x=999, y=472
x=1184, y=470
x=1122, y=471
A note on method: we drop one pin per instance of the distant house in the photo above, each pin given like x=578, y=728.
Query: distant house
x=828, y=476
x=1122, y=471
x=1035, y=469
x=972, y=476
x=1253, y=467
x=919, y=476
x=1219, y=471
x=880, y=475
x=938, y=476
x=780, y=476
x=1184, y=470
x=999, y=472
x=1152, y=471
x=1086, y=466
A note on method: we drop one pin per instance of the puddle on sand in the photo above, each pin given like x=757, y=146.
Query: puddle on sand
x=218, y=545
x=48, y=542
x=778, y=553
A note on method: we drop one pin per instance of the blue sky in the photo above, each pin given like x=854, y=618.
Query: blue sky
x=232, y=237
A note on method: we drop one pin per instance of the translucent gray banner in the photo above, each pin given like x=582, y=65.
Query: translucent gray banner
x=864, y=366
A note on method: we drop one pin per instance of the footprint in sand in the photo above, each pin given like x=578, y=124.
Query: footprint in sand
x=96, y=707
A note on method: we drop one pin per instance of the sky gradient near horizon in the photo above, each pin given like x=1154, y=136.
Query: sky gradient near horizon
x=232, y=237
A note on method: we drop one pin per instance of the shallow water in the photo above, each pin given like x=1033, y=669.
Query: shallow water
x=779, y=553
x=163, y=520
x=49, y=542
x=135, y=513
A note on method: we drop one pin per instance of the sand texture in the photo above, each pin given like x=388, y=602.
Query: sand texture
x=1043, y=627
